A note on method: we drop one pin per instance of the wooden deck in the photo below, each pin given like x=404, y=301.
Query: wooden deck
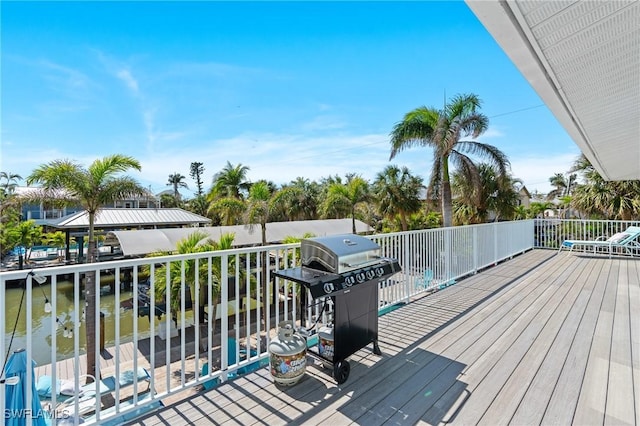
x=540, y=339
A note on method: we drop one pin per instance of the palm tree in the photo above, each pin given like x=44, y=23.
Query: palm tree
x=56, y=239
x=231, y=181
x=229, y=209
x=342, y=199
x=8, y=182
x=24, y=234
x=198, y=205
x=442, y=130
x=168, y=201
x=259, y=208
x=9, y=202
x=397, y=193
x=496, y=194
x=177, y=181
x=607, y=199
x=93, y=187
x=537, y=208
x=563, y=186
x=299, y=199
x=195, y=242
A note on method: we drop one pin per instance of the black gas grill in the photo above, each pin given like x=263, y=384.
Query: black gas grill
x=346, y=269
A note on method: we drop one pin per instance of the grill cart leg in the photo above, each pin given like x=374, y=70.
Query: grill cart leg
x=341, y=371
x=376, y=348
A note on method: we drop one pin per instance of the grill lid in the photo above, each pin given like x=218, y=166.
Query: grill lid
x=338, y=253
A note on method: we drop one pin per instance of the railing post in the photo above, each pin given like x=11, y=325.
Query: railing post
x=407, y=267
x=495, y=243
x=101, y=331
x=475, y=249
x=224, y=307
x=447, y=254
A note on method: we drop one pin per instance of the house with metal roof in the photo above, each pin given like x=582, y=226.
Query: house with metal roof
x=111, y=219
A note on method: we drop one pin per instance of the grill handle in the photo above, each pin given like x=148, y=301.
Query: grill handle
x=361, y=264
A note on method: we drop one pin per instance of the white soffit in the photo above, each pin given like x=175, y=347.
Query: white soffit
x=583, y=60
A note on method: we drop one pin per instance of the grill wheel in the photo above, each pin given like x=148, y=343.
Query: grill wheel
x=341, y=371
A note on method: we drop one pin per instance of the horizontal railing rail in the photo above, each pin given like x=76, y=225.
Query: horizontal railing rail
x=171, y=323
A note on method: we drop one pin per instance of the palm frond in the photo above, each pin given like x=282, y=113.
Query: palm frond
x=416, y=129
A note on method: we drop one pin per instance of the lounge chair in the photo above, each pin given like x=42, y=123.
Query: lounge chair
x=86, y=395
x=627, y=240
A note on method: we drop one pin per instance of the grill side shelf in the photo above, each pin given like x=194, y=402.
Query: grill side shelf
x=322, y=284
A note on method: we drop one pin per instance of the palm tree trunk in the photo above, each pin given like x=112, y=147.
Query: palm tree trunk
x=90, y=301
x=403, y=220
x=446, y=204
x=353, y=219
x=446, y=193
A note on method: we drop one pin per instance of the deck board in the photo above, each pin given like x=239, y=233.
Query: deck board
x=540, y=339
x=620, y=395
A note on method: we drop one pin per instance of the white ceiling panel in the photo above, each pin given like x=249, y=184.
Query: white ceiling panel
x=583, y=59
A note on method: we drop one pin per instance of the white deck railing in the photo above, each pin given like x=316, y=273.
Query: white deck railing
x=550, y=233
x=430, y=259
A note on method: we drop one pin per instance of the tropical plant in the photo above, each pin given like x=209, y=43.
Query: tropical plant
x=169, y=201
x=231, y=181
x=442, y=130
x=93, y=187
x=194, y=271
x=176, y=180
x=298, y=200
x=25, y=235
x=537, y=208
x=520, y=212
x=474, y=203
x=342, y=199
x=9, y=202
x=605, y=199
x=197, y=205
x=229, y=209
x=8, y=182
x=259, y=208
x=397, y=193
x=564, y=186
x=565, y=206
x=56, y=239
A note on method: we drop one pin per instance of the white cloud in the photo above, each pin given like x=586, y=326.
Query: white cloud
x=128, y=79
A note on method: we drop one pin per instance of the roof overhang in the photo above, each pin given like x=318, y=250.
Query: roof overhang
x=583, y=60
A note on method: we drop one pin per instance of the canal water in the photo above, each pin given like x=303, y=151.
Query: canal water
x=41, y=321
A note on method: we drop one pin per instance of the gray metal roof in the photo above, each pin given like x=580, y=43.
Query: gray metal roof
x=583, y=59
x=140, y=242
x=114, y=218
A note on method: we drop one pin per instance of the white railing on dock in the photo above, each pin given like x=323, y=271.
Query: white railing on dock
x=174, y=337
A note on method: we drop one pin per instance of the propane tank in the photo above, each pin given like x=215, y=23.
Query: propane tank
x=325, y=343
x=287, y=355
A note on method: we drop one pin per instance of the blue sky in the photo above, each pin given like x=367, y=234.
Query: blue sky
x=288, y=89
